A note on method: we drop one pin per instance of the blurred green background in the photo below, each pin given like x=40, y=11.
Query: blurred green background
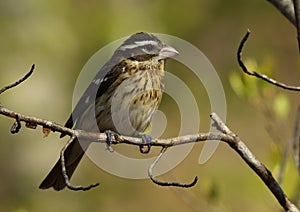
x=60, y=36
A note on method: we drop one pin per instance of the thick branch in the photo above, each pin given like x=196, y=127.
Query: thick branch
x=286, y=7
x=290, y=9
x=226, y=136
x=102, y=137
x=259, y=168
x=297, y=16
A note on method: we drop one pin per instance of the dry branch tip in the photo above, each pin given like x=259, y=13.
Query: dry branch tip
x=26, y=76
x=64, y=170
x=258, y=75
x=161, y=183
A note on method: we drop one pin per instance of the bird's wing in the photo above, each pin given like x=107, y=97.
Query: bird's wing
x=103, y=79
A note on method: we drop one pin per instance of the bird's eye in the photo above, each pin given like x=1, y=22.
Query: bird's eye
x=141, y=57
x=148, y=48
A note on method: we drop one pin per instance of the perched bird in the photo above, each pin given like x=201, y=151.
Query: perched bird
x=122, y=98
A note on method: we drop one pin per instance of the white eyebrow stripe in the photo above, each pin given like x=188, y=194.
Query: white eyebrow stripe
x=131, y=46
x=138, y=44
x=145, y=42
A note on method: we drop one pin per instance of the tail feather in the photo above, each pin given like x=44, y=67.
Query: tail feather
x=55, y=178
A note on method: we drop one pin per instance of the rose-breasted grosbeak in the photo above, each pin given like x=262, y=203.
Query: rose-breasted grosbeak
x=122, y=98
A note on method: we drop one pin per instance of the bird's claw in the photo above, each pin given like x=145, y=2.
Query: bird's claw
x=146, y=146
x=109, y=135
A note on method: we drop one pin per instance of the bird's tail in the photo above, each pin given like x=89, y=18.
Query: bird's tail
x=55, y=178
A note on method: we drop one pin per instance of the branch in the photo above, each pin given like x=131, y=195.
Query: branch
x=32, y=122
x=183, y=185
x=297, y=17
x=286, y=7
x=64, y=171
x=258, y=75
x=290, y=9
x=256, y=166
x=296, y=140
x=226, y=135
x=19, y=81
x=120, y=139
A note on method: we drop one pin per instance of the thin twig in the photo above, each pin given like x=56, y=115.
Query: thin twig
x=64, y=170
x=258, y=75
x=16, y=126
x=176, y=184
x=19, y=81
x=296, y=140
x=283, y=162
x=220, y=125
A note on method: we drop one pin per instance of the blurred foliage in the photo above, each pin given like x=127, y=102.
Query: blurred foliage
x=60, y=36
x=259, y=93
x=281, y=106
x=275, y=106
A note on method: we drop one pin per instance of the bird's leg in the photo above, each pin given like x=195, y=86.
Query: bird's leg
x=109, y=135
x=147, y=141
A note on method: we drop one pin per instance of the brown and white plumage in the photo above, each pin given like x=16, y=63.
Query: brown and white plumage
x=122, y=97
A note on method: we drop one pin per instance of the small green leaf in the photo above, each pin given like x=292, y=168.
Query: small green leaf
x=237, y=84
x=281, y=106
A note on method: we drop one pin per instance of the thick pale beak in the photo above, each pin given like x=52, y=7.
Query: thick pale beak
x=167, y=52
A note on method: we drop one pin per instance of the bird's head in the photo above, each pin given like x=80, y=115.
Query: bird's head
x=143, y=46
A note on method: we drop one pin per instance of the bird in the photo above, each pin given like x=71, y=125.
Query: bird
x=122, y=98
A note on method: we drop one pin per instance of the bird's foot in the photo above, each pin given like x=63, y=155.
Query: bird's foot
x=146, y=146
x=109, y=135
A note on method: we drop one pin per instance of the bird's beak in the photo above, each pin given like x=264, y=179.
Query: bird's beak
x=167, y=52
